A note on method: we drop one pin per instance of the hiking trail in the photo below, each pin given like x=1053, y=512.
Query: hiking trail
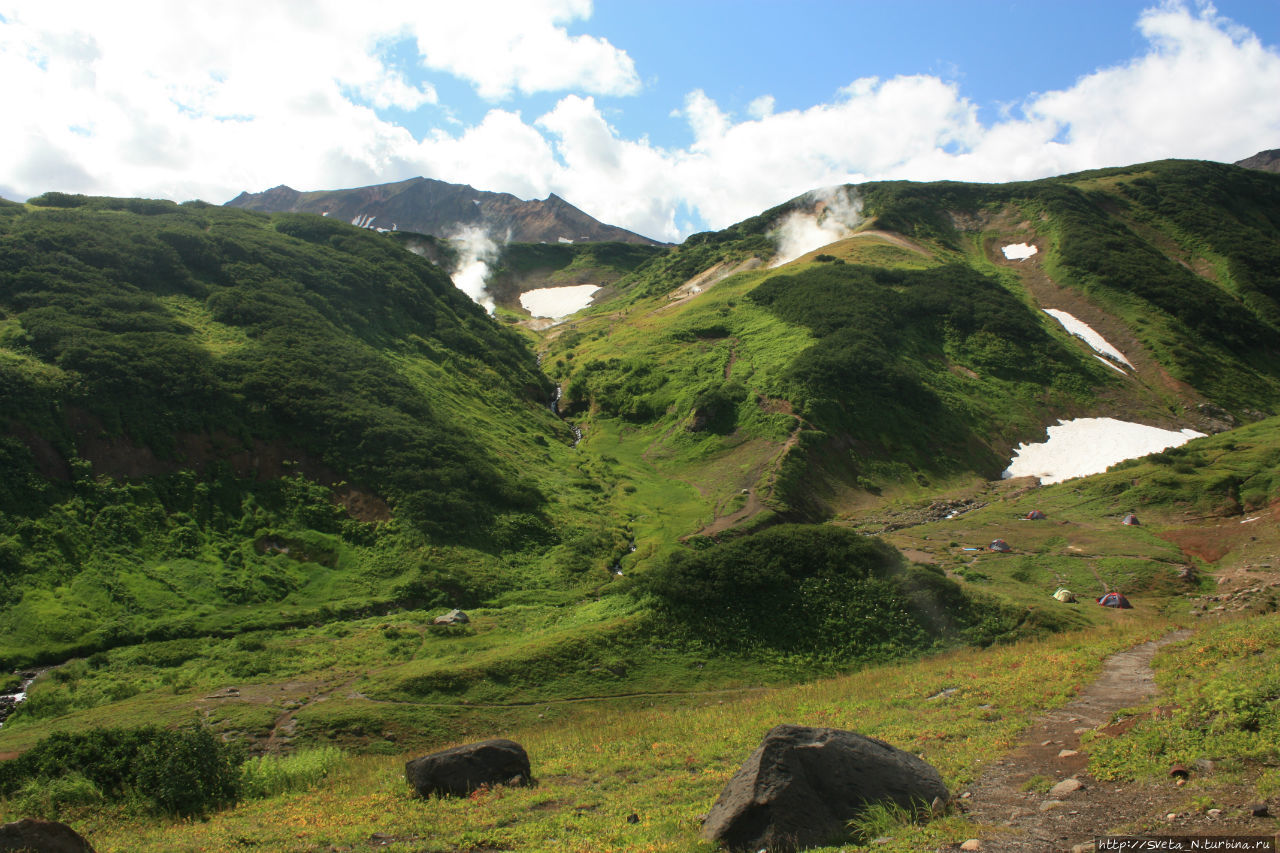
x=1032, y=821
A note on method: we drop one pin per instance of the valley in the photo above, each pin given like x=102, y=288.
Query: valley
x=248, y=458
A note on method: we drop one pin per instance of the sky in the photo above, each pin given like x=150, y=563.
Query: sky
x=659, y=116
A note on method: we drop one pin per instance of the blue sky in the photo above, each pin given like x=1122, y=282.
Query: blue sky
x=660, y=116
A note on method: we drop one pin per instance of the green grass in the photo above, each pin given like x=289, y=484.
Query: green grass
x=599, y=763
x=1221, y=687
x=273, y=775
x=347, y=364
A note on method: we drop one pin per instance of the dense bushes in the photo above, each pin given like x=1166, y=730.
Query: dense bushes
x=817, y=591
x=285, y=331
x=183, y=772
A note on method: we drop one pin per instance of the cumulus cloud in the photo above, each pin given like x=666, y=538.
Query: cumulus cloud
x=198, y=104
x=507, y=45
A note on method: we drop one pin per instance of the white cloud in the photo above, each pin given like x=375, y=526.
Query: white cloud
x=507, y=45
x=198, y=103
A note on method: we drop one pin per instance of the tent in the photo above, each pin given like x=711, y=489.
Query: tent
x=1065, y=595
x=1130, y=519
x=1035, y=515
x=1115, y=599
x=1000, y=545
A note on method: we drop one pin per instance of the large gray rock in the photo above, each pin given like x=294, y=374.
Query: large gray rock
x=459, y=771
x=803, y=785
x=453, y=617
x=42, y=836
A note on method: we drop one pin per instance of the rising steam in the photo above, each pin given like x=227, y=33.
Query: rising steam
x=830, y=214
x=476, y=251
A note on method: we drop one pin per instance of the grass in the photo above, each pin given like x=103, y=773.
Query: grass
x=1222, y=687
x=273, y=775
x=601, y=763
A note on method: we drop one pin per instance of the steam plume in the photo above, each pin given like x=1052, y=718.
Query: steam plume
x=477, y=251
x=830, y=215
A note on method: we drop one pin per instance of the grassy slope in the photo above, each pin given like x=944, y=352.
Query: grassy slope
x=599, y=761
x=642, y=475
x=596, y=765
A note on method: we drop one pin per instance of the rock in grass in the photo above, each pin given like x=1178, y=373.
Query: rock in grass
x=43, y=836
x=803, y=786
x=459, y=771
x=453, y=617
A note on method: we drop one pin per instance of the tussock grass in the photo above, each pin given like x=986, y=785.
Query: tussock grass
x=273, y=775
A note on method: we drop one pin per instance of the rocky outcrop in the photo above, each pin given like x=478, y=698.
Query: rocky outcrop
x=1263, y=161
x=42, y=836
x=441, y=209
x=459, y=771
x=803, y=786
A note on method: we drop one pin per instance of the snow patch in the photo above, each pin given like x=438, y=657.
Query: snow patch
x=557, y=303
x=1019, y=251
x=1086, y=446
x=1082, y=331
x=1109, y=363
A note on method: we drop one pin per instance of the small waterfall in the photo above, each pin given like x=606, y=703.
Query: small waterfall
x=554, y=405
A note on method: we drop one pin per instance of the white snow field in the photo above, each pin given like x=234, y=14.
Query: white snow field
x=1019, y=251
x=557, y=303
x=1086, y=446
x=1083, y=331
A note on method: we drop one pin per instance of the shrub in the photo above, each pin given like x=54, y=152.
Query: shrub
x=188, y=772
x=819, y=591
x=185, y=772
x=50, y=798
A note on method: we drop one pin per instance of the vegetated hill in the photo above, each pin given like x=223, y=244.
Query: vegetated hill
x=442, y=209
x=910, y=352
x=715, y=395
x=207, y=414
x=1266, y=161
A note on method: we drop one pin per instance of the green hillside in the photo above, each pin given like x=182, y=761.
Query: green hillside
x=245, y=459
x=212, y=416
x=912, y=353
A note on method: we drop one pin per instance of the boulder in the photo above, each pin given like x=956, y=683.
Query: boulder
x=42, y=836
x=803, y=786
x=459, y=771
x=453, y=617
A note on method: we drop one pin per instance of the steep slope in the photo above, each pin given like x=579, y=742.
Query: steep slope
x=441, y=209
x=1266, y=161
x=206, y=408
x=909, y=351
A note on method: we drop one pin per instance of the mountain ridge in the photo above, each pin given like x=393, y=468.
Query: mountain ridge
x=443, y=209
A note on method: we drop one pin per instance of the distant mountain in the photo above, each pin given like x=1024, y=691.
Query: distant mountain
x=441, y=209
x=1264, y=161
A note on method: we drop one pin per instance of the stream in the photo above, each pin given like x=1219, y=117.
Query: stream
x=554, y=405
x=9, y=702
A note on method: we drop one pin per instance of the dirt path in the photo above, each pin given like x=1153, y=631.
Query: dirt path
x=1022, y=821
